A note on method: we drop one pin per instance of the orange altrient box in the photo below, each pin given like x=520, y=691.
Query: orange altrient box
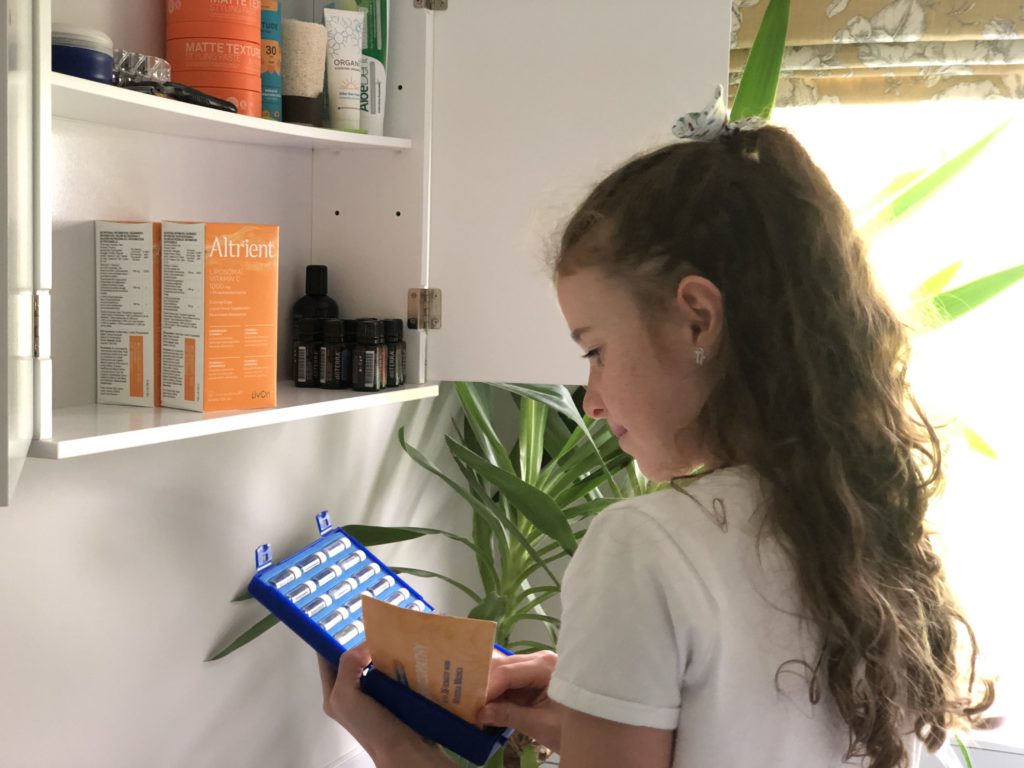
x=127, y=313
x=219, y=348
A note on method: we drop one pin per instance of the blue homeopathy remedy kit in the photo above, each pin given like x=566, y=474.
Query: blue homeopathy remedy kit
x=318, y=592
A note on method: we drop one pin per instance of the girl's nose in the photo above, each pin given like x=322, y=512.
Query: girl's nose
x=592, y=405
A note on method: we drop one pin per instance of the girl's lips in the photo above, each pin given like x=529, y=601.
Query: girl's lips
x=619, y=432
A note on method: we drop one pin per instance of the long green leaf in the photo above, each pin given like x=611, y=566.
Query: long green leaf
x=899, y=183
x=474, y=399
x=497, y=760
x=528, y=598
x=963, y=751
x=242, y=595
x=246, y=637
x=948, y=306
x=756, y=94
x=554, y=396
x=558, y=398
x=976, y=442
x=577, y=458
x=432, y=575
x=529, y=646
x=936, y=283
x=584, y=465
x=373, y=535
x=511, y=529
x=556, y=433
x=926, y=186
x=491, y=608
x=528, y=757
x=481, y=507
x=536, y=506
x=532, y=420
x=585, y=485
x=588, y=508
x=515, y=618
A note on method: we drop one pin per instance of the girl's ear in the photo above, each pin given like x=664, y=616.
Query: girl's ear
x=700, y=310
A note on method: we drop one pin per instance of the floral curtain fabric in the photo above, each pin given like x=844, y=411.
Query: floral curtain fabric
x=891, y=50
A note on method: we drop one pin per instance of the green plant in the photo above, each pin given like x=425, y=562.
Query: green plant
x=530, y=501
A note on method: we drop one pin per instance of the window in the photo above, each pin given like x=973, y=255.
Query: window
x=968, y=374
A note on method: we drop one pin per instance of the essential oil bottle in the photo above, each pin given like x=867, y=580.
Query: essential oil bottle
x=305, y=351
x=348, y=350
x=331, y=354
x=316, y=303
x=366, y=357
x=382, y=353
x=396, y=352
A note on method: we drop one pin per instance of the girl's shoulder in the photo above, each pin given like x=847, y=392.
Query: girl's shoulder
x=723, y=500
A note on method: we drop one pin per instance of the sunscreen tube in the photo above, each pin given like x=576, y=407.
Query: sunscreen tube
x=270, y=19
x=344, y=67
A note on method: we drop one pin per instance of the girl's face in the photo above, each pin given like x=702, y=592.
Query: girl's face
x=643, y=376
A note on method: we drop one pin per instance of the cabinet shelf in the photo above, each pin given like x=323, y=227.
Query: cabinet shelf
x=89, y=429
x=78, y=99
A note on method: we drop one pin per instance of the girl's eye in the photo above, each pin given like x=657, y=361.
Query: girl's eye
x=593, y=355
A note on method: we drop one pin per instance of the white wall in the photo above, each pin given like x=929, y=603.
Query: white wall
x=117, y=572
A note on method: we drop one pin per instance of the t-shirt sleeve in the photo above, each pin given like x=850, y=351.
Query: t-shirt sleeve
x=636, y=620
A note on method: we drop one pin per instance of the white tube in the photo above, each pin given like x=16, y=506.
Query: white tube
x=344, y=67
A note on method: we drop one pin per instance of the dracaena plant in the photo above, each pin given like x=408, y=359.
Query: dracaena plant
x=529, y=499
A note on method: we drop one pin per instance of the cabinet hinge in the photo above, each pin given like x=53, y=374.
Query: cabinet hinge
x=431, y=5
x=424, y=309
x=35, y=325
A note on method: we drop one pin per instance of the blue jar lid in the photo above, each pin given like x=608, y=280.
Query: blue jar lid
x=73, y=36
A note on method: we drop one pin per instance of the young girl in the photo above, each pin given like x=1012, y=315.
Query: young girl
x=781, y=605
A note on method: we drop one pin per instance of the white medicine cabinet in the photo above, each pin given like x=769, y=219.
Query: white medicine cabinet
x=500, y=115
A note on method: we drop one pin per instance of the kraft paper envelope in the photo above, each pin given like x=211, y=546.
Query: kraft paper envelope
x=444, y=658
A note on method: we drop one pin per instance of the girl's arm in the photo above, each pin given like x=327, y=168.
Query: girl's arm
x=592, y=742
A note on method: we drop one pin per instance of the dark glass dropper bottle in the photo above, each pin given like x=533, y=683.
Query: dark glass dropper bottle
x=316, y=303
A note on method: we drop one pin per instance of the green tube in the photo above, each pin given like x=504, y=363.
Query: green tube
x=375, y=53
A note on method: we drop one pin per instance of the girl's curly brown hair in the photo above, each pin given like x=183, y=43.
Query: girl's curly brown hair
x=813, y=394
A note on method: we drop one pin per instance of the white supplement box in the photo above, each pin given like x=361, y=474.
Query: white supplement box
x=128, y=313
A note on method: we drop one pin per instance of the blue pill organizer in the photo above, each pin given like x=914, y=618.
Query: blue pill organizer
x=318, y=592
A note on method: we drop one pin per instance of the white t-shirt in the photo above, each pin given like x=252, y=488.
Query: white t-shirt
x=675, y=618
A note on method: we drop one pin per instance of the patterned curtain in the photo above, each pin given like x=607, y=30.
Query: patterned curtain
x=876, y=51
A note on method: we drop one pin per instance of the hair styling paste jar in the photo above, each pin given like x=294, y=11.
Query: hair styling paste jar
x=83, y=52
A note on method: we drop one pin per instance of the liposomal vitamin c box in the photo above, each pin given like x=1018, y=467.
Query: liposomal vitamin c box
x=219, y=316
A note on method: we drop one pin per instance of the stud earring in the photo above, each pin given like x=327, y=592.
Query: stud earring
x=698, y=355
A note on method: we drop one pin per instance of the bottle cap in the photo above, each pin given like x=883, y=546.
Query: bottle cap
x=393, y=329
x=332, y=330
x=366, y=332
x=316, y=279
x=351, y=328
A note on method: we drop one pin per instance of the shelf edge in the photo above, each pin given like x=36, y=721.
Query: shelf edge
x=205, y=425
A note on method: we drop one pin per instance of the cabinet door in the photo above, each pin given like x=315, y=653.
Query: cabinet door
x=16, y=240
x=534, y=101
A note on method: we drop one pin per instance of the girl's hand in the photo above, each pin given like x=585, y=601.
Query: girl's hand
x=517, y=697
x=387, y=740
